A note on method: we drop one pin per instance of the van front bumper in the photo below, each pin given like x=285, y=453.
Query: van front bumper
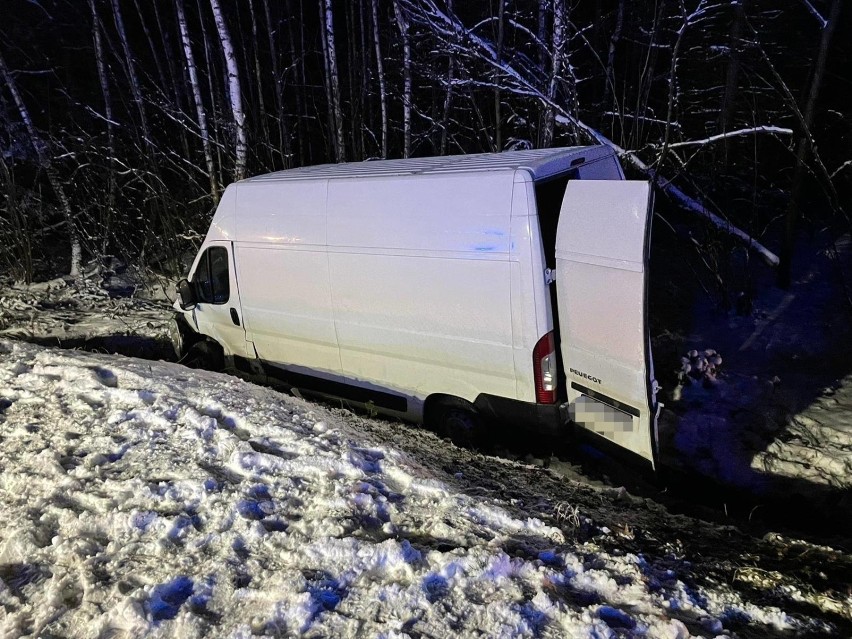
x=546, y=419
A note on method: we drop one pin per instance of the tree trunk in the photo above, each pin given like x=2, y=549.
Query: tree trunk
x=791, y=219
x=609, y=87
x=199, y=104
x=402, y=23
x=154, y=56
x=135, y=88
x=45, y=160
x=102, y=78
x=297, y=66
x=380, y=71
x=726, y=113
x=284, y=142
x=556, y=52
x=259, y=84
x=542, y=33
x=234, y=91
x=498, y=118
x=330, y=51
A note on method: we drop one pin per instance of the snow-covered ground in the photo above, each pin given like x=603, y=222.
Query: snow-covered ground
x=139, y=498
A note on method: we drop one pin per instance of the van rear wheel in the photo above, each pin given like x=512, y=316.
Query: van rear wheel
x=459, y=421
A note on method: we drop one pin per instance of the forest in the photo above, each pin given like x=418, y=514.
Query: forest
x=122, y=121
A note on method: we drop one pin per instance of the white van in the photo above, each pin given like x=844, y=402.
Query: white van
x=426, y=289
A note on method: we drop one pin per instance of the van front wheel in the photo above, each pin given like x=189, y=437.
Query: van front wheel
x=205, y=354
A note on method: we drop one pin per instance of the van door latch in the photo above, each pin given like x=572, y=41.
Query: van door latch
x=549, y=275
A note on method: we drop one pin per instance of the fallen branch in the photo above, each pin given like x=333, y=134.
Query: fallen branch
x=731, y=134
x=689, y=203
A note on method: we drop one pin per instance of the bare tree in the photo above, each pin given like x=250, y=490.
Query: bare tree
x=41, y=150
x=498, y=117
x=556, y=54
x=234, y=91
x=333, y=79
x=284, y=140
x=192, y=70
x=402, y=23
x=110, y=122
x=380, y=71
x=806, y=143
x=130, y=66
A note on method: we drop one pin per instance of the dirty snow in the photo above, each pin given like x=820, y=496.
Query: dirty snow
x=139, y=498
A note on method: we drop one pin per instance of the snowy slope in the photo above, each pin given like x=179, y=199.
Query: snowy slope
x=140, y=498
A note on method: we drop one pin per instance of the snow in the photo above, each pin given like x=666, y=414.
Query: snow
x=139, y=498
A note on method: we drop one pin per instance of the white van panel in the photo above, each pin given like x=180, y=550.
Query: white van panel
x=424, y=324
x=430, y=214
x=286, y=300
x=421, y=284
x=284, y=213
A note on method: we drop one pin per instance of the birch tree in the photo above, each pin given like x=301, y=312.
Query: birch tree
x=402, y=23
x=234, y=91
x=380, y=72
x=200, y=113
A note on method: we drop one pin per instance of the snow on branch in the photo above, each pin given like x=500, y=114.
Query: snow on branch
x=847, y=163
x=731, y=134
x=816, y=14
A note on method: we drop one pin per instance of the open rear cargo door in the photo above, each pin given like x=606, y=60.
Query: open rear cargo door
x=602, y=249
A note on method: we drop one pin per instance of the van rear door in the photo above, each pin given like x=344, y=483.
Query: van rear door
x=602, y=248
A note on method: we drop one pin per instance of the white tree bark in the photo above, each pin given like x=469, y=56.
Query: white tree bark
x=380, y=70
x=402, y=23
x=192, y=70
x=234, y=91
x=45, y=160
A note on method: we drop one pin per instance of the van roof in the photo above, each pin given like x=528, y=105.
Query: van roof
x=541, y=163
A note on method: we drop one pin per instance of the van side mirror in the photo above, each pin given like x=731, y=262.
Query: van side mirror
x=186, y=295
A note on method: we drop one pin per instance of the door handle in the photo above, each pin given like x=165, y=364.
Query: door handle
x=234, y=317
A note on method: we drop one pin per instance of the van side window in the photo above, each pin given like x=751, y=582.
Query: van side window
x=212, y=277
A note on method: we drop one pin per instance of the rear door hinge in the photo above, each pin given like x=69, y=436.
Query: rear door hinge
x=549, y=275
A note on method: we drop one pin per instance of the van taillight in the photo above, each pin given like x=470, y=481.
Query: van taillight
x=544, y=369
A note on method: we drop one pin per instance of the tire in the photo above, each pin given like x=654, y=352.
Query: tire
x=459, y=421
x=206, y=355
